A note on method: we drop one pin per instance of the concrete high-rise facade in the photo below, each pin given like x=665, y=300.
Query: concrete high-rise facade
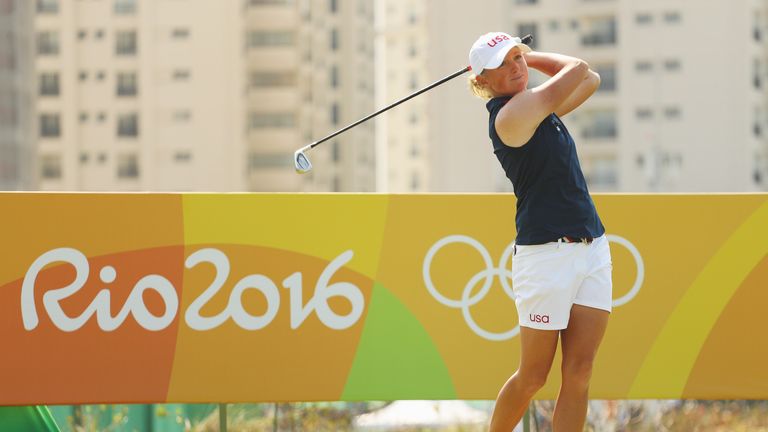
x=17, y=95
x=338, y=72
x=682, y=106
x=310, y=69
x=403, y=140
x=139, y=95
x=274, y=93
x=216, y=96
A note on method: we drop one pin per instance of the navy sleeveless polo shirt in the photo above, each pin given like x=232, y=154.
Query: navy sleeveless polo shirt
x=552, y=196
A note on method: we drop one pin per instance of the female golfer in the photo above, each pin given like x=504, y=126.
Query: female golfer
x=562, y=265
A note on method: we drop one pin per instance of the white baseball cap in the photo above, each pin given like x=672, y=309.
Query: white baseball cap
x=489, y=50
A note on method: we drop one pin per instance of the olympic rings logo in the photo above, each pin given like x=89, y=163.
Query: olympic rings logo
x=504, y=273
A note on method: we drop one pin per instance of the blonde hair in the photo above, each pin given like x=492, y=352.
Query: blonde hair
x=477, y=89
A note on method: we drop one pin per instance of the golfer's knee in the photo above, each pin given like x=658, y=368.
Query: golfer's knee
x=531, y=381
x=577, y=373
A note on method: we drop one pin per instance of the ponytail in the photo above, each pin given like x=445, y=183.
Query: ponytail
x=477, y=89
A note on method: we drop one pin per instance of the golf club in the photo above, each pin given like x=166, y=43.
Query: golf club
x=301, y=161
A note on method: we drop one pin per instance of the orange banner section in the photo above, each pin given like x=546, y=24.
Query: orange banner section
x=119, y=298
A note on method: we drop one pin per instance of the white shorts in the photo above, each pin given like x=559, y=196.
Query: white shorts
x=549, y=279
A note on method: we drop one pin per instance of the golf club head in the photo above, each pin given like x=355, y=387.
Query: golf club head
x=301, y=162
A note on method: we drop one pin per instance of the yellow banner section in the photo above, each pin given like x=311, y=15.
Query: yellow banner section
x=261, y=297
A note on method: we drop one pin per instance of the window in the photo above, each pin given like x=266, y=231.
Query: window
x=529, y=28
x=127, y=84
x=334, y=39
x=643, y=66
x=525, y=2
x=181, y=75
x=8, y=116
x=50, y=167
x=182, y=116
x=757, y=73
x=272, y=79
x=257, y=161
x=335, y=153
x=333, y=6
x=126, y=43
x=334, y=76
x=672, y=17
x=643, y=113
x=82, y=75
x=49, y=84
x=643, y=18
x=125, y=7
x=83, y=117
x=128, y=125
x=254, y=3
x=414, y=80
x=50, y=125
x=600, y=31
x=271, y=120
x=600, y=124
x=48, y=43
x=47, y=6
x=415, y=181
x=335, y=114
x=180, y=33
x=81, y=34
x=602, y=171
x=607, y=74
x=260, y=39
x=8, y=57
x=127, y=166
x=100, y=75
x=415, y=149
x=672, y=65
x=672, y=112
x=182, y=157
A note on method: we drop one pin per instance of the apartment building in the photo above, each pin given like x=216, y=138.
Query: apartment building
x=274, y=93
x=139, y=95
x=403, y=141
x=310, y=68
x=682, y=106
x=17, y=93
x=216, y=96
x=339, y=70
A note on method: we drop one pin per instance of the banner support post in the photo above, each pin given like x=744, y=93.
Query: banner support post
x=223, y=417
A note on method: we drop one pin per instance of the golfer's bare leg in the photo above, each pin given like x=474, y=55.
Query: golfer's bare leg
x=537, y=351
x=580, y=342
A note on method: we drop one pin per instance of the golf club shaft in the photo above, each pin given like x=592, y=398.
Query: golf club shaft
x=370, y=116
x=526, y=40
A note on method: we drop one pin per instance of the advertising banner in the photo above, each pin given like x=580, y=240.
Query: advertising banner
x=139, y=298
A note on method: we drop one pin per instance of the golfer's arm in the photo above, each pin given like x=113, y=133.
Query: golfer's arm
x=586, y=89
x=550, y=64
